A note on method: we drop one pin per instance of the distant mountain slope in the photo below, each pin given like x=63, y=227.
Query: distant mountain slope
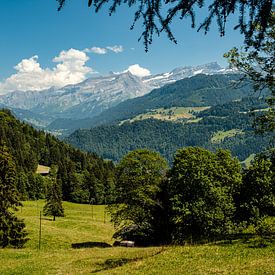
x=227, y=129
x=159, y=80
x=200, y=90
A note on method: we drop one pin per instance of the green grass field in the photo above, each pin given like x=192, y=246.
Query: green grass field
x=219, y=136
x=85, y=223
x=175, y=114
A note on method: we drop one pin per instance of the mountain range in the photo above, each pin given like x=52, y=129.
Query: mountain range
x=92, y=96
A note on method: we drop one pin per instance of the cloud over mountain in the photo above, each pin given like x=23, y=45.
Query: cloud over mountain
x=138, y=70
x=70, y=69
x=104, y=50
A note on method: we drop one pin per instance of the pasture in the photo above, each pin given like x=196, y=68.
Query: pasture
x=84, y=225
x=175, y=114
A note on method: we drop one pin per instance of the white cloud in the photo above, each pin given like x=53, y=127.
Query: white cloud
x=29, y=65
x=99, y=50
x=96, y=50
x=115, y=48
x=70, y=69
x=138, y=71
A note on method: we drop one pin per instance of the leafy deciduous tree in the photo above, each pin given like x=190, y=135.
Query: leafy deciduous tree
x=257, y=193
x=258, y=64
x=201, y=186
x=139, y=176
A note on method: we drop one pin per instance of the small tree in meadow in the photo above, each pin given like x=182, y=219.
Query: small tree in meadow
x=53, y=206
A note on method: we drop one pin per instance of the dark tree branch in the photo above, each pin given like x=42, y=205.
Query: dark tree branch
x=158, y=15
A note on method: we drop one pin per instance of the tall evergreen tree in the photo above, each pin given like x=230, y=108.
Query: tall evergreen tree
x=12, y=229
x=53, y=206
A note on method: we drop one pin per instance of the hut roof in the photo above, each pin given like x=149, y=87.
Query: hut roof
x=41, y=169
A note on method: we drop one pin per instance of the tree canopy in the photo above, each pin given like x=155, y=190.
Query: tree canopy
x=28, y=147
x=201, y=188
x=258, y=64
x=139, y=176
x=158, y=15
x=257, y=194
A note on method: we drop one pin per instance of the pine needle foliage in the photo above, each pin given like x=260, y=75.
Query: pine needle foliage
x=158, y=15
x=12, y=229
x=53, y=206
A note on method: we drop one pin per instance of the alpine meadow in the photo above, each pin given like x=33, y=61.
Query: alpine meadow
x=137, y=137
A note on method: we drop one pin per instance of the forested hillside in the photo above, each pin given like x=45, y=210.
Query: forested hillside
x=227, y=126
x=83, y=176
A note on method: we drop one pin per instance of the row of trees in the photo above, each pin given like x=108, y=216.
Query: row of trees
x=204, y=195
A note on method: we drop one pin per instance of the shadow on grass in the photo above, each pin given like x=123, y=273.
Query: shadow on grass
x=117, y=262
x=46, y=219
x=91, y=245
x=251, y=240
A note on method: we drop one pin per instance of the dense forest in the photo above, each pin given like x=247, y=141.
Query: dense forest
x=83, y=177
x=114, y=141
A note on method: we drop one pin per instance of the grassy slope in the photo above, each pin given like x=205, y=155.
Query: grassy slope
x=176, y=114
x=57, y=256
x=219, y=136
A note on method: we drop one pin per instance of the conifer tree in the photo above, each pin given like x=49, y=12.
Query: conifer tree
x=53, y=206
x=12, y=232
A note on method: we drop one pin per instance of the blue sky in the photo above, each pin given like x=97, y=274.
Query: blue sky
x=35, y=28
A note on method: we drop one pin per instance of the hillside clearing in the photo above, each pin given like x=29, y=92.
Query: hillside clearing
x=175, y=114
x=219, y=136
